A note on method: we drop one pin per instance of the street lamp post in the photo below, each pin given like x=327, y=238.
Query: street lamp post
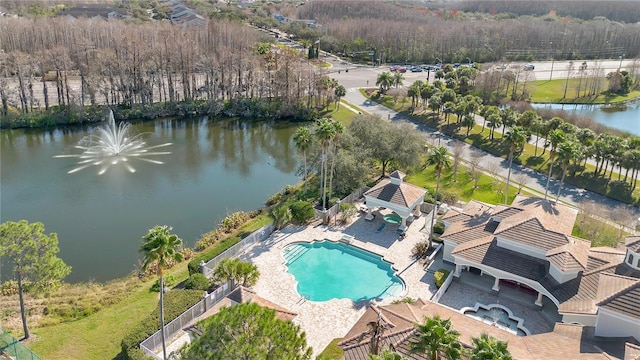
x=621, y=57
x=553, y=58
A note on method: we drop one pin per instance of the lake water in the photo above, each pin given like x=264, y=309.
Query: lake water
x=622, y=117
x=215, y=168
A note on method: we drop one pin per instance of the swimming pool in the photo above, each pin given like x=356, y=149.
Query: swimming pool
x=327, y=270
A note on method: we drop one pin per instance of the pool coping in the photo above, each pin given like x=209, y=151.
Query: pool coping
x=349, y=243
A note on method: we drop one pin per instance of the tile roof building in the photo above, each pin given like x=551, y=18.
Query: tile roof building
x=392, y=193
x=529, y=244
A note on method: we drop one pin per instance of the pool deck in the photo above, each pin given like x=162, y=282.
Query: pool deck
x=325, y=321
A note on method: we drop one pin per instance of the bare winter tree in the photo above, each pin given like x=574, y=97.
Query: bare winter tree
x=521, y=179
x=457, y=152
x=474, y=166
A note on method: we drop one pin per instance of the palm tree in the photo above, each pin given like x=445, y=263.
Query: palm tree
x=469, y=121
x=516, y=138
x=324, y=132
x=340, y=92
x=398, y=77
x=438, y=158
x=493, y=121
x=303, y=140
x=237, y=272
x=570, y=150
x=338, y=129
x=436, y=336
x=508, y=118
x=489, y=348
x=385, y=81
x=160, y=248
x=375, y=329
x=556, y=137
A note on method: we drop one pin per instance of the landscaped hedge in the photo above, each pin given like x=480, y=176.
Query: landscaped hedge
x=197, y=281
x=175, y=303
x=208, y=254
x=440, y=276
x=302, y=212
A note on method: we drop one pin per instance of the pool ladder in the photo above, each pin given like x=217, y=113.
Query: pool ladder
x=295, y=253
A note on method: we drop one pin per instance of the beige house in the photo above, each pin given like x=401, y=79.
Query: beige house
x=529, y=245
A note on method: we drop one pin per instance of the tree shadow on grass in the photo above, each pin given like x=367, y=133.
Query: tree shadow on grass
x=534, y=161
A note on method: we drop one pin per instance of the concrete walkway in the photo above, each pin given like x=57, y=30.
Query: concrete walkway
x=325, y=321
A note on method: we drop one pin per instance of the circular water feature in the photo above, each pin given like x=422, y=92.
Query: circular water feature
x=327, y=270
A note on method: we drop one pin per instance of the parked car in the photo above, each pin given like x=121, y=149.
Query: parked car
x=501, y=67
x=415, y=69
x=529, y=67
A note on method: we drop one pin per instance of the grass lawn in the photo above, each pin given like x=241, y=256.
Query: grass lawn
x=489, y=190
x=344, y=114
x=480, y=138
x=600, y=234
x=332, y=351
x=98, y=335
x=552, y=91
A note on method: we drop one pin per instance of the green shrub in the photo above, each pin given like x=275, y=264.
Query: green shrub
x=302, y=212
x=197, y=281
x=169, y=281
x=440, y=276
x=208, y=254
x=420, y=250
x=438, y=228
x=175, y=303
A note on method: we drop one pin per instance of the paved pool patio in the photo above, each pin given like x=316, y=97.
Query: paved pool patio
x=325, y=321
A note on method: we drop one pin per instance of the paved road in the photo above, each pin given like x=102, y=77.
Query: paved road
x=357, y=78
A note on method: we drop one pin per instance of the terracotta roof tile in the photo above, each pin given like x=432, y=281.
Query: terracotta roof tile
x=633, y=243
x=403, y=194
x=570, y=257
x=490, y=254
x=460, y=233
x=626, y=301
x=552, y=216
x=631, y=352
x=531, y=232
x=244, y=295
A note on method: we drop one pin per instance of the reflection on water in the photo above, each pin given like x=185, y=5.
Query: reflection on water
x=213, y=169
x=625, y=117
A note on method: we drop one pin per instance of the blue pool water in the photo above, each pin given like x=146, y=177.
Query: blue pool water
x=326, y=270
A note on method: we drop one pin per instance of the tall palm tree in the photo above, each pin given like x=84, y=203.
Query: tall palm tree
x=338, y=129
x=340, y=92
x=435, y=336
x=508, y=118
x=516, y=138
x=489, y=348
x=384, y=81
x=440, y=161
x=556, y=137
x=160, y=248
x=324, y=133
x=398, y=77
x=570, y=150
x=303, y=140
